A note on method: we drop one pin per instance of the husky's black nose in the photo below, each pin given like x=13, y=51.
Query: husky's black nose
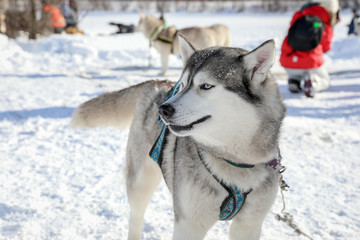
x=166, y=110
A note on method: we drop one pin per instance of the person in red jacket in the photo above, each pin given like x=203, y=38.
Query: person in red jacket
x=57, y=19
x=307, y=66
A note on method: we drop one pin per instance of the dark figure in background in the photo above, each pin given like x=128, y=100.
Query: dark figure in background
x=73, y=5
x=122, y=28
x=354, y=26
x=70, y=13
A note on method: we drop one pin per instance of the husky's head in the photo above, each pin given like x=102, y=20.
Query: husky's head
x=148, y=25
x=226, y=97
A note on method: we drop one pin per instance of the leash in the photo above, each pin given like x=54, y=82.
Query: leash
x=284, y=216
x=236, y=198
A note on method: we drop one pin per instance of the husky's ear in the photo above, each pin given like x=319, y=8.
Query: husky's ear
x=186, y=48
x=259, y=61
x=141, y=15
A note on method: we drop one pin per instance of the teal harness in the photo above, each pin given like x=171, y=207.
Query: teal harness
x=233, y=203
x=236, y=198
x=155, y=151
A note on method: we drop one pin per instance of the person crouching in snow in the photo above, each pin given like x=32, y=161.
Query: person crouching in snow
x=57, y=19
x=309, y=37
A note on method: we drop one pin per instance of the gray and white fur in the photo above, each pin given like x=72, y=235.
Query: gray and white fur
x=228, y=107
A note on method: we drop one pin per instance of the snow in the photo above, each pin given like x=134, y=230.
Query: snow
x=61, y=183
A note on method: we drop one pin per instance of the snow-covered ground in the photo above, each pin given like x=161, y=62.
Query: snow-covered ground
x=61, y=183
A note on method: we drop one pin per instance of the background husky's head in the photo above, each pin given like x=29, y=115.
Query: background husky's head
x=227, y=98
x=149, y=25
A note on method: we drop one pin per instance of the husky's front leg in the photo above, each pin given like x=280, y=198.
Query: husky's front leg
x=141, y=184
x=245, y=230
x=164, y=51
x=190, y=230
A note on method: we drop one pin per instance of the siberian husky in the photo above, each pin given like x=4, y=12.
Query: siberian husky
x=216, y=144
x=166, y=42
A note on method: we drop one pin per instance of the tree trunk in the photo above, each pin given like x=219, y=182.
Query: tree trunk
x=4, y=6
x=33, y=27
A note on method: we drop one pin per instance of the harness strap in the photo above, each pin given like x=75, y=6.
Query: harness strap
x=167, y=40
x=156, y=150
x=164, y=26
x=233, y=203
x=153, y=34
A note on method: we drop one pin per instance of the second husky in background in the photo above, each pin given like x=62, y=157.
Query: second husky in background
x=166, y=42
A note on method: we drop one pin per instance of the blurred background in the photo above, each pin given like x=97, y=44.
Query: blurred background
x=30, y=15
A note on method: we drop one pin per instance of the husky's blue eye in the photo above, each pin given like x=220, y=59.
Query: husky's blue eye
x=206, y=86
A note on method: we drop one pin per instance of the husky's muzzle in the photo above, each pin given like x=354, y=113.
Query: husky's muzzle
x=166, y=111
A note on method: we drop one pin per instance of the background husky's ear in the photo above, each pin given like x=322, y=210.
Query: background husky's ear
x=186, y=48
x=259, y=61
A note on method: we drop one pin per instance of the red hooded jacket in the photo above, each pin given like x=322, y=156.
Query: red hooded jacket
x=310, y=59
